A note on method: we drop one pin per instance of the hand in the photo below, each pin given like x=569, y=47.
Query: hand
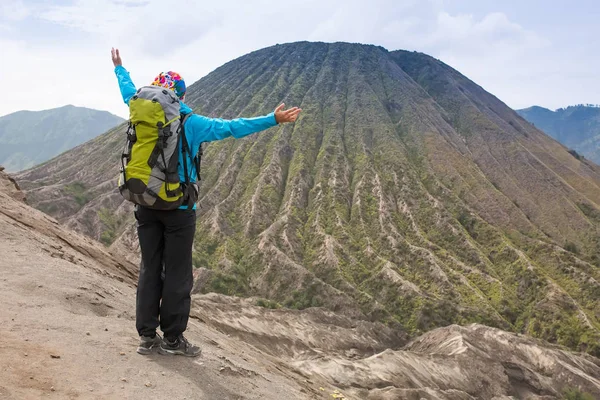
x=116, y=57
x=282, y=116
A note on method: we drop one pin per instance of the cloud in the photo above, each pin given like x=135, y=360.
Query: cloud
x=493, y=51
x=464, y=34
x=152, y=26
x=71, y=40
x=108, y=17
x=46, y=78
x=16, y=10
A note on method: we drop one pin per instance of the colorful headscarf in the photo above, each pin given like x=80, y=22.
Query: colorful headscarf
x=171, y=80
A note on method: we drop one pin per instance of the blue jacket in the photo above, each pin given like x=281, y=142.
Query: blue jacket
x=199, y=129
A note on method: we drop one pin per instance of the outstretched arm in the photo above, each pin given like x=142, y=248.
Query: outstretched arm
x=125, y=83
x=211, y=129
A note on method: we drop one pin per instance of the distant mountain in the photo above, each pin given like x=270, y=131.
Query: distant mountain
x=577, y=127
x=28, y=138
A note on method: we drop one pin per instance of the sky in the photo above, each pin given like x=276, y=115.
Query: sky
x=527, y=52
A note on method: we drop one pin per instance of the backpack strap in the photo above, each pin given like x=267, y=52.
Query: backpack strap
x=197, y=161
x=185, y=150
x=126, y=155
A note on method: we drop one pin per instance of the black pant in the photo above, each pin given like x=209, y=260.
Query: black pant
x=166, y=238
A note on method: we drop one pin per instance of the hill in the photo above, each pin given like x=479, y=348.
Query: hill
x=68, y=332
x=405, y=194
x=577, y=127
x=28, y=138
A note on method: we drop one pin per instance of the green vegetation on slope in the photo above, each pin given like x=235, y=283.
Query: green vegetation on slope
x=405, y=193
x=576, y=394
x=78, y=191
x=112, y=223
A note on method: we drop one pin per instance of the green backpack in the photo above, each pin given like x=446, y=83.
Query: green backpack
x=149, y=165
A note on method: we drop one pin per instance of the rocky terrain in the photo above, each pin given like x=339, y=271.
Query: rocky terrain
x=68, y=330
x=68, y=333
x=405, y=194
x=10, y=186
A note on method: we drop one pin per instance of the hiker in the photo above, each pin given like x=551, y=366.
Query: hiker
x=166, y=235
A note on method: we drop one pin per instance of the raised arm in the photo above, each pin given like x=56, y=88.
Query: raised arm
x=125, y=83
x=211, y=129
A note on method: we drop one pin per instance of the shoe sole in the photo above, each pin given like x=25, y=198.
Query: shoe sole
x=166, y=352
x=144, y=351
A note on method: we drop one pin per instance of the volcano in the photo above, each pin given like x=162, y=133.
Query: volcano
x=404, y=194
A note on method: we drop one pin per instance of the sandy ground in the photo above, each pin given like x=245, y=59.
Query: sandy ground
x=67, y=330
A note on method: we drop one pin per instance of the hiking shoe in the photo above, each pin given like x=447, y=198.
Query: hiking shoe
x=147, y=343
x=179, y=346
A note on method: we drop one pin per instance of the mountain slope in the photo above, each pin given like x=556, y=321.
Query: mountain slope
x=67, y=327
x=28, y=138
x=405, y=194
x=577, y=127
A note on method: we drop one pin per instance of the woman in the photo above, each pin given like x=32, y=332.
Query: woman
x=166, y=237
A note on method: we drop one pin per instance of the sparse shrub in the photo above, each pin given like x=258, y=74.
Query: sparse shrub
x=468, y=222
x=569, y=332
x=304, y=299
x=266, y=303
x=224, y=284
x=111, y=223
x=571, y=247
x=576, y=154
x=589, y=211
x=576, y=394
x=77, y=191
